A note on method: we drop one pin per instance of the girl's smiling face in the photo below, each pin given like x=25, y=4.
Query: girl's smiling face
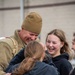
x=53, y=45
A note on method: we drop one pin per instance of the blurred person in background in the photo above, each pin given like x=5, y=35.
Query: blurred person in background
x=73, y=47
x=73, y=42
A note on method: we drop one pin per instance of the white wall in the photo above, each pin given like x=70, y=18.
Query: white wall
x=59, y=16
x=55, y=16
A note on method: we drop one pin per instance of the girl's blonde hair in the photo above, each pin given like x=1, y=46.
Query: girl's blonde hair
x=33, y=53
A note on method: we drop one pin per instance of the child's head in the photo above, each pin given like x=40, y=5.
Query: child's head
x=34, y=50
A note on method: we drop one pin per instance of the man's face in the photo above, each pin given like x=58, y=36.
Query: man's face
x=27, y=36
x=73, y=44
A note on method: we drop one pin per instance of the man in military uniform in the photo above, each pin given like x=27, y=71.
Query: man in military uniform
x=10, y=46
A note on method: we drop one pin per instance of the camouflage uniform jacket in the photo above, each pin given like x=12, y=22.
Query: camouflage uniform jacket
x=8, y=48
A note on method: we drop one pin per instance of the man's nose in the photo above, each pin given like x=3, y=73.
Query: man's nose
x=33, y=37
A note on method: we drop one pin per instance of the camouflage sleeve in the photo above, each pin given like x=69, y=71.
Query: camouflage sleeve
x=5, y=56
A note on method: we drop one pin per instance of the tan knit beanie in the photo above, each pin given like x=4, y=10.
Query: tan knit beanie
x=33, y=23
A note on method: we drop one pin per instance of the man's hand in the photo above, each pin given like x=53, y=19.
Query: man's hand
x=8, y=74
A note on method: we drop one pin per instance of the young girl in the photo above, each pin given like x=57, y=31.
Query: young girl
x=32, y=64
x=59, y=50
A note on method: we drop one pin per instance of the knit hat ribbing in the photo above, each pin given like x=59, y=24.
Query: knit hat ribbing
x=33, y=23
